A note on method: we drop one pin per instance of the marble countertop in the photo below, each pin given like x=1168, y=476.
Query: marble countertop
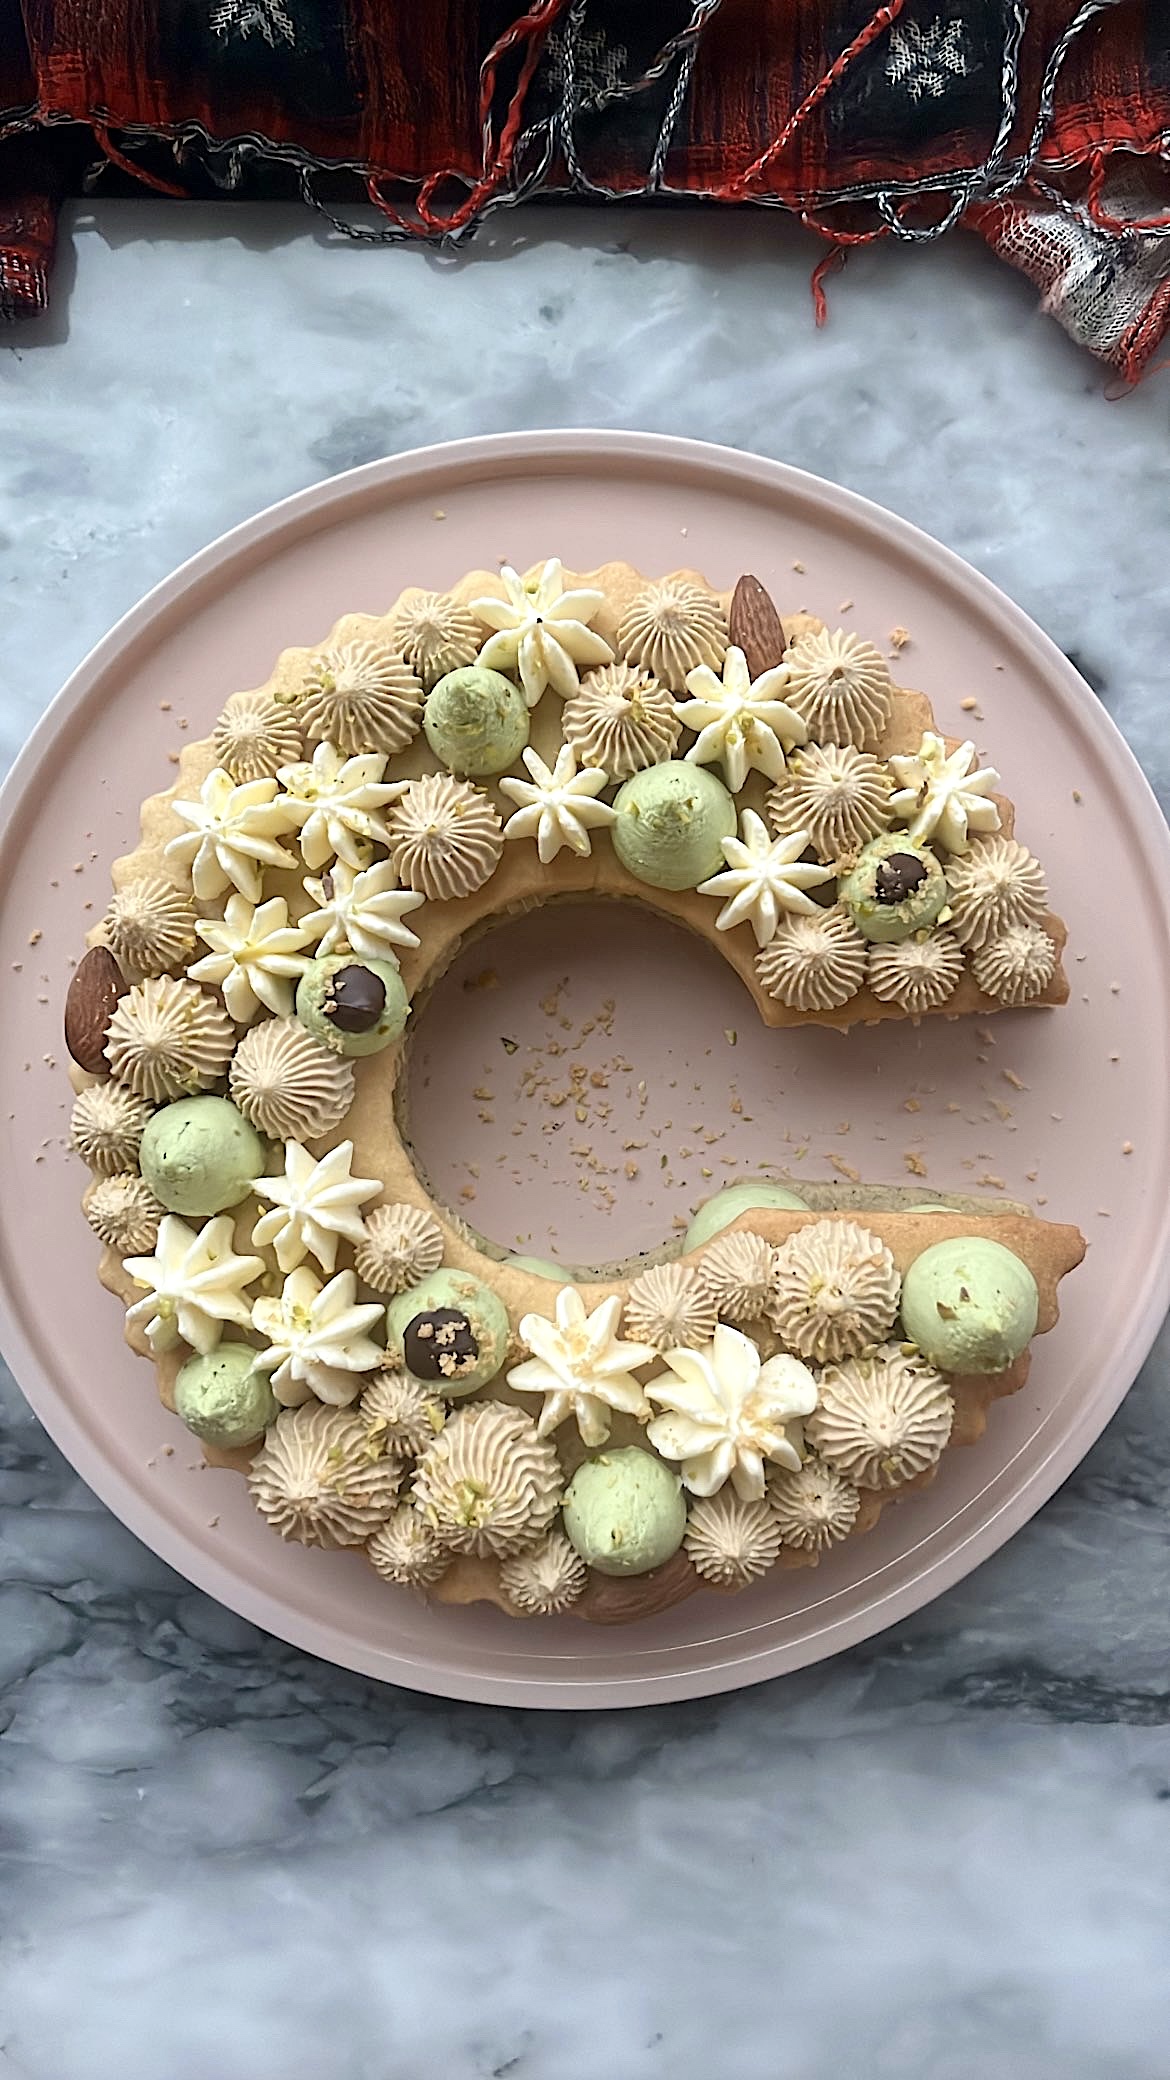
x=941, y=1857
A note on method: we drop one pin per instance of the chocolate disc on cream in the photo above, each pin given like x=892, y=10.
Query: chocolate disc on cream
x=898, y=877
x=449, y=1330
x=440, y=1345
x=895, y=887
x=352, y=1007
x=356, y=999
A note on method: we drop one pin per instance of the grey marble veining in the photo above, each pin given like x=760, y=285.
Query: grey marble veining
x=941, y=1857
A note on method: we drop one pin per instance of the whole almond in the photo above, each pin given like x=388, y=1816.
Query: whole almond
x=89, y=1006
x=755, y=627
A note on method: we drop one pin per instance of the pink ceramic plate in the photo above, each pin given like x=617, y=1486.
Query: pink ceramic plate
x=1047, y=1106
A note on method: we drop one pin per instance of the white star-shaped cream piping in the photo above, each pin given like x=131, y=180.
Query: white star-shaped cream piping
x=940, y=797
x=542, y=631
x=314, y=1205
x=316, y=1339
x=581, y=1366
x=194, y=1284
x=764, y=877
x=559, y=805
x=740, y=720
x=233, y=835
x=255, y=956
x=360, y=913
x=337, y=802
x=726, y=1412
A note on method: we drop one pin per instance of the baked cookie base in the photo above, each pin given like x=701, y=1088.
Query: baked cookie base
x=519, y=884
x=1049, y=1249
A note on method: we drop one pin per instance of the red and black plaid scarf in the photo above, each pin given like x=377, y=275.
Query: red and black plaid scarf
x=1042, y=124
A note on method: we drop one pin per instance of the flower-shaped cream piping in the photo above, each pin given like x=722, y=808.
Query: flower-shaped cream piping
x=255, y=957
x=558, y=805
x=917, y=974
x=124, y=1212
x=542, y=631
x=670, y=1304
x=194, y=1284
x=337, y=804
x=314, y=1204
x=882, y=1419
x=435, y=634
x=764, y=878
x=167, y=1036
x=730, y=1542
x=726, y=1412
x=741, y=720
x=838, y=794
x=361, y=697
x=581, y=1366
x=835, y=1289
x=670, y=628
x=996, y=885
x=286, y=1084
x=841, y=685
x=445, y=837
x=1016, y=966
x=940, y=797
x=814, y=963
x=150, y=925
x=400, y=1415
x=105, y=1127
x=317, y=1341
x=736, y=1271
x=622, y=720
x=255, y=736
x=401, y=1245
x=233, y=835
x=405, y=1549
x=546, y=1579
x=360, y=913
x=314, y=1480
x=813, y=1507
x=488, y=1484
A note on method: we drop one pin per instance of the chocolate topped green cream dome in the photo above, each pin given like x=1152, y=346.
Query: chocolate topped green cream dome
x=450, y=1331
x=352, y=1007
x=895, y=888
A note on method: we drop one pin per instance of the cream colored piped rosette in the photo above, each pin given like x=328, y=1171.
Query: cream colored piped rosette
x=518, y=883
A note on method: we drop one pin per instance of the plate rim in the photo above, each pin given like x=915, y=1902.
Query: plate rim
x=505, y=453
